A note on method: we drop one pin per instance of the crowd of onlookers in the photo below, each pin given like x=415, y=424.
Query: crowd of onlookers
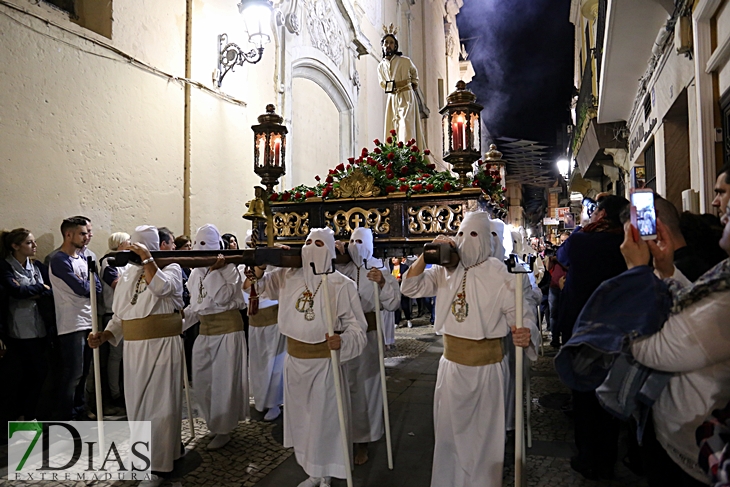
x=660, y=307
x=45, y=319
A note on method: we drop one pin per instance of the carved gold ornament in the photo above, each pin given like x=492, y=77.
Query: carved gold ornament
x=356, y=185
x=434, y=219
x=344, y=222
x=291, y=224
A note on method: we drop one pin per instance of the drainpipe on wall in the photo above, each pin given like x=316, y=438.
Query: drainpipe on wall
x=186, y=121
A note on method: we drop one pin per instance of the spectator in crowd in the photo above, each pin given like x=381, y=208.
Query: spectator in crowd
x=722, y=190
x=69, y=278
x=167, y=239
x=25, y=289
x=86, y=251
x=557, y=272
x=109, y=279
x=183, y=242
x=693, y=344
x=702, y=232
x=230, y=242
x=687, y=259
x=398, y=267
x=592, y=255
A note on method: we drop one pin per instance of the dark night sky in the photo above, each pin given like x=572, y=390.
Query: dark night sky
x=522, y=53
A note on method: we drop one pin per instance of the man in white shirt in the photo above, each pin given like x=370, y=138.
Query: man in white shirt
x=311, y=423
x=146, y=307
x=220, y=367
x=475, y=310
x=69, y=276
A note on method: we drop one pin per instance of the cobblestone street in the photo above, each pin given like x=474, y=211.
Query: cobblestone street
x=256, y=457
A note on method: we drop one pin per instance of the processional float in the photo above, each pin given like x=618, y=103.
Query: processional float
x=392, y=189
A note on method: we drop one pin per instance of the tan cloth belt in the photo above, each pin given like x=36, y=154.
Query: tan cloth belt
x=473, y=353
x=265, y=317
x=403, y=85
x=221, y=323
x=370, y=318
x=153, y=326
x=298, y=349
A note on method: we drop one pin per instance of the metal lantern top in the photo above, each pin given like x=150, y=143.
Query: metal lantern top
x=269, y=148
x=461, y=130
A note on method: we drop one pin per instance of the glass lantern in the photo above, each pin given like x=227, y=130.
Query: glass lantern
x=269, y=148
x=461, y=131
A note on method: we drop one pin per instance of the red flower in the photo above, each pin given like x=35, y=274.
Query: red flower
x=427, y=152
x=377, y=150
x=402, y=180
x=475, y=183
x=348, y=167
x=404, y=170
x=341, y=166
x=328, y=179
x=389, y=140
x=350, y=160
x=364, y=152
x=480, y=162
x=273, y=197
x=380, y=167
x=504, y=189
x=298, y=196
x=389, y=174
x=371, y=161
x=390, y=167
x=376, y=142
x=429, y=187
x=447, y=186
x=431, y=166
x=317, y=178
x=414, y=148
x=325, y=192
x=400, y=144
x=392, y=132
x=391, y=156
x=413, y=159
x=410, y=142
x=331, y=171
x=404, y=187
x=389, y=188
x=310, y=194
x=418, y=187
x=285, y=196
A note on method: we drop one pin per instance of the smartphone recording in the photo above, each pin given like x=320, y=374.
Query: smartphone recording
x=645, y=219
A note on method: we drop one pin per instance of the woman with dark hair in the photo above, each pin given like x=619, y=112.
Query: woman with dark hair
x=22, y=279
x=183, y=242
x=592, y=255
x=230, y=242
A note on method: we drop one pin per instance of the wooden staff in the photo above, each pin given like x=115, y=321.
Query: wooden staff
x=186, y=387
x=97, y=360
x=336, y=374
x=381, y=360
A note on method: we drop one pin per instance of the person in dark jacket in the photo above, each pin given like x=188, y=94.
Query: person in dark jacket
x=26, y=333
x=592, y=255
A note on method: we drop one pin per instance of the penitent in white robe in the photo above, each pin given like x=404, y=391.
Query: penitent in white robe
x=153, y=369
x=363, y=371
x=311, y=424
x=266, y=357
x=401, y=109
x=469, y=401
x=220, y=371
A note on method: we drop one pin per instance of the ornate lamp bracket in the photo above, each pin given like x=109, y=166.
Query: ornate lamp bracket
x=230, y=56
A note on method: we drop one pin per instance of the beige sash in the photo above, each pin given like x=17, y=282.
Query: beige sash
x=370, y=318
x=221, y=323
x=402, y=85
x=265, y=317
x=473, y=353
x=153, y=326
x=302, y=350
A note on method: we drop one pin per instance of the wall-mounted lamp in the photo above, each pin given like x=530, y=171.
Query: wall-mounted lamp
x=257, y=17
x=564, y=168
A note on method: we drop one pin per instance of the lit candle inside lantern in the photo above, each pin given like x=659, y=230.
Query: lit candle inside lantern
x=261, y=146
x=277, y=149
x=462, y=132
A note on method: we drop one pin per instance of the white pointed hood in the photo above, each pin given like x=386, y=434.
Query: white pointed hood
x=207, y=238
x=474, y=240
x=147, y=235
x=364, y=251
x=320, y=256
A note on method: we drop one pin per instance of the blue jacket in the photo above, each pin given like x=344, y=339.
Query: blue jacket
x=597, y=357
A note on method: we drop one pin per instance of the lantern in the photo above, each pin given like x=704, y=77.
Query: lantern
x=461, y=130
x=269, y=148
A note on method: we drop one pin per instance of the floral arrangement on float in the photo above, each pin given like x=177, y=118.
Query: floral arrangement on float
x=393, y=168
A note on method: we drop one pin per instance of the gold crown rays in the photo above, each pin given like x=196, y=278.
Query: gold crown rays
x=390, y=30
